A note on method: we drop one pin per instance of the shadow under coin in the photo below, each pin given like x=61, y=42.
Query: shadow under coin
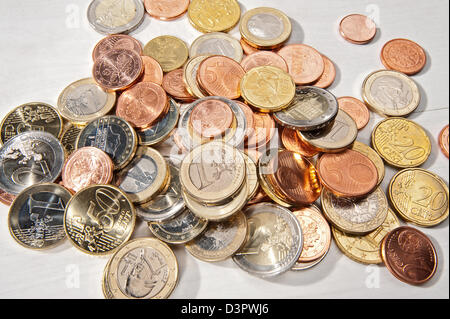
x=312, y=275
x=297, y=35
x=189, y=275
x=423, y=101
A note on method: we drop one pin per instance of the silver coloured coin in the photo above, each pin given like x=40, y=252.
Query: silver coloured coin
x=113, y=135
x=265, y=26
x=167, y=205
x=115, y=16
x=275, y=241
x=235, y=139
x=30, y=158
x=217, y=43
x=84, y=101
x=36, y=218
x=161, y=130
x=313, y=108
x=179, y=230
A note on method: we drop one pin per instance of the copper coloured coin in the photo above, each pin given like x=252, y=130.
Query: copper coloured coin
x=263, y=58
x=166, y=9
x=292, y=142
x=249, y=118
x=211, y=118
x=295, y=177
x=328, y=76
x=220, y=76
x=348, y=174
x=409, y=255
x=306, y=64
x=117, y=69
x=116, y=41
x=404, y=56
x=6, y=198
x=357, y=29
x=357, y=110
x=444, y=140
x=153, y=71
x=248, y=49
x=264, y=130
x=174, y=85
x=87, y=166
x=143, y=104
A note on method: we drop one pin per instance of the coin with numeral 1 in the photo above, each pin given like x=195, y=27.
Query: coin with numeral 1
x=333, y=138
x=420, y=197
x=113, y=135
x=99, y=219
x=401, y=143
x=144, y=268
x=36, y=217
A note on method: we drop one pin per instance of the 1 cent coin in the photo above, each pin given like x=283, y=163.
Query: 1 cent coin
x=174, y=85
x=166, y=9
x=404, y=56
x=356, y=109
x=211, y=118
x=264, y=58
x=305, y=63
x=87, y=166
x=444, y=140
x=116, y=41
x=409, y=255
x=357, y=29
x=117, y=69
x=143, y=104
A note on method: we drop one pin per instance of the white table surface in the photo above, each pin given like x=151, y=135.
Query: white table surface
x=46, y=45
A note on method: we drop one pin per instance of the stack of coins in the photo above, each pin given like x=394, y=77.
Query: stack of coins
x=87, y=169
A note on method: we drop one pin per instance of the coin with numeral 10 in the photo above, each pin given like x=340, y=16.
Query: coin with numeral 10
x=401, y=143
x=99, y=219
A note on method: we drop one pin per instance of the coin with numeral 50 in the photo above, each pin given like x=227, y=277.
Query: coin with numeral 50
x=99, y=219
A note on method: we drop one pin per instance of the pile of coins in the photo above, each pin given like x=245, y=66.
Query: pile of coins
x=91, y=167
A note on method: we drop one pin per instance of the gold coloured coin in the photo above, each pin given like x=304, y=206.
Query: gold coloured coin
x=84, y=101
x=145, y=177
x=265, y=28
x=365, y=249
x=420, y=197
x=213, y=172
x=180, y=229
x=390, y=93
x=69, y=138
x=34, y=116
x=220, y=240
x=105, y=285
x=214, y=15
x=36, y=216
x=190, y=76
x=355, y=216
x=373, y=156
x=268, y=88
x=217, y=212
x=144, y=268
x=401, y=143
x=170, y=52
x=99, y=219
x=334, y=138
x=252, y=176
